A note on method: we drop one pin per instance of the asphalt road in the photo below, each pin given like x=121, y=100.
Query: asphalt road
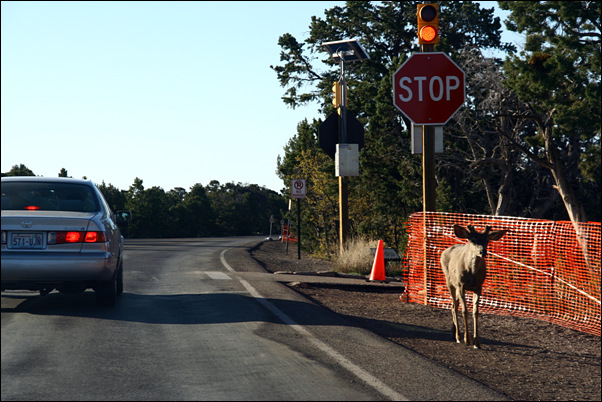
x=200, y=320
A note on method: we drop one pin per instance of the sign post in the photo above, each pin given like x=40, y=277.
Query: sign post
x=271, y=222
x=298, y=192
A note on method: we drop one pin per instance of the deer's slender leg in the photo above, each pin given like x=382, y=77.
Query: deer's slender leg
x=467, y=339
x=455, y=329
x=475, y=317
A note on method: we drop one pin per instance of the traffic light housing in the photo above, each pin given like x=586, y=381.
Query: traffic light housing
x=337, y=100
x=428, y=24
x=336, y=88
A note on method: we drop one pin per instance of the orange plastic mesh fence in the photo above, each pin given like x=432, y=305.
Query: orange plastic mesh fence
x=541, y=269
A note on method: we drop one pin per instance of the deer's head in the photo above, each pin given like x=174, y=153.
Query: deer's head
x=478, y=241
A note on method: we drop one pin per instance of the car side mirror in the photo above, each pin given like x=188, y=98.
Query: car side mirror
x=123, y=216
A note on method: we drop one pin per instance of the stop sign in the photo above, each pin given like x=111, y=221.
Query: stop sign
x=429, y=88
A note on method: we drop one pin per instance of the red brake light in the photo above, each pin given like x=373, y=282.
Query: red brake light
x=90, y=237
x=95, y=237
x=76, y=237
x=32, y=207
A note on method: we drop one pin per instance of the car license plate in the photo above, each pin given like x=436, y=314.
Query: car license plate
x=27, y=240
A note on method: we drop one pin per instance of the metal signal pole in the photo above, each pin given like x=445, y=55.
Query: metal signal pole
x=343, y=191
x=429, y=185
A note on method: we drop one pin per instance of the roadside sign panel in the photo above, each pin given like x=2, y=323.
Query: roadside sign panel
x=298, y=188
x=429, y=88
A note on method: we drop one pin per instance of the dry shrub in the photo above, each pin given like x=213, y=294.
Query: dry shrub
x=357, y=257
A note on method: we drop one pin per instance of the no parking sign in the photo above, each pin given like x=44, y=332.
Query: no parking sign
x=298, y=188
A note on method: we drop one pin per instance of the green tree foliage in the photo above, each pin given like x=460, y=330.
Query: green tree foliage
x=242, y=209
x=484, y=170
x=557, y=76
x=216, y=210
x=114, y=196
x=150, y=207
x=197, y=216
x=19, y=170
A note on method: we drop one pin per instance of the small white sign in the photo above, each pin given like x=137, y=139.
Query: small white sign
x=346, y=161
x=298, y=188
x=417, y=139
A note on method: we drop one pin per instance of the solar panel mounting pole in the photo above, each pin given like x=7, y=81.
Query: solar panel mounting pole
x=343, y=181
x=342, y=51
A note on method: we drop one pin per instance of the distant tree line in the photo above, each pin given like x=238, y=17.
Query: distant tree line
x=213, y=210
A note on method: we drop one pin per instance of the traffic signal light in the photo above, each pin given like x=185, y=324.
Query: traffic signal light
x=336, y=88
x=428, y=24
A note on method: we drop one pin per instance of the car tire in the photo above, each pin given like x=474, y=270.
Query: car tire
x=106, y=293
x=120, y=279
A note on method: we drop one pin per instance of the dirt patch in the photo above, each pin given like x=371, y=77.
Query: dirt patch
x=523, y=358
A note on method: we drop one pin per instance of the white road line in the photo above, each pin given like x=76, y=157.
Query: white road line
x=363, y=375
x=217, y=275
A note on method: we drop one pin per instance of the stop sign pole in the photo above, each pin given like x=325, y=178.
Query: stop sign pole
x=429, y=189
x=429, y=185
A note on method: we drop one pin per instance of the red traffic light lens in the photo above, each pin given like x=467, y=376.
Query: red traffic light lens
x=428, y=33
x=428, y=13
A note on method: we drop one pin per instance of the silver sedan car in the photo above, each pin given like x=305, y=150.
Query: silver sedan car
x=60, y=233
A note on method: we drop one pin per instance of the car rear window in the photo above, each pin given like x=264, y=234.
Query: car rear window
x=48, y=197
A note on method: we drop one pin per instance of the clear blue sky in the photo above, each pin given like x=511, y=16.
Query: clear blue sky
x=175, y=93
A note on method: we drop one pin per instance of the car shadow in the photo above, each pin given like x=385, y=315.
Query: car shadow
x=214, y=308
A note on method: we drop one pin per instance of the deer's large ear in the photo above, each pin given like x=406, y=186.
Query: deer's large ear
x=460, y=232
x=496, y=235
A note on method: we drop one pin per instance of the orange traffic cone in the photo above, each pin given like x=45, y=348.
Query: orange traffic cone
x=378, y=268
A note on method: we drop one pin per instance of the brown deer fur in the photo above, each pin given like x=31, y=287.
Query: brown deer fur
x=464, y=269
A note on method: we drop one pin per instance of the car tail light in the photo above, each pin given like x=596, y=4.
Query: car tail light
x=73, y=237
x=95, y=237
x=76, y=237
x=32, y=207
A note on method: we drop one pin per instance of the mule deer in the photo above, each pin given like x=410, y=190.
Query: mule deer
x=464, y=269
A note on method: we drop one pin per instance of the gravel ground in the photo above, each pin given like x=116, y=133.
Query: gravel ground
x=523, y=358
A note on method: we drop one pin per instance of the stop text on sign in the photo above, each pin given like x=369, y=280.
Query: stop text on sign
x=429, y=88
x=438, y=88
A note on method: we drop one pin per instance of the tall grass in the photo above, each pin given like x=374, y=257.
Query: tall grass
x=357, y=257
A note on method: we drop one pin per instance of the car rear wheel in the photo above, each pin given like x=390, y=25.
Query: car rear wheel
x=120, y=279
x=106, y=293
